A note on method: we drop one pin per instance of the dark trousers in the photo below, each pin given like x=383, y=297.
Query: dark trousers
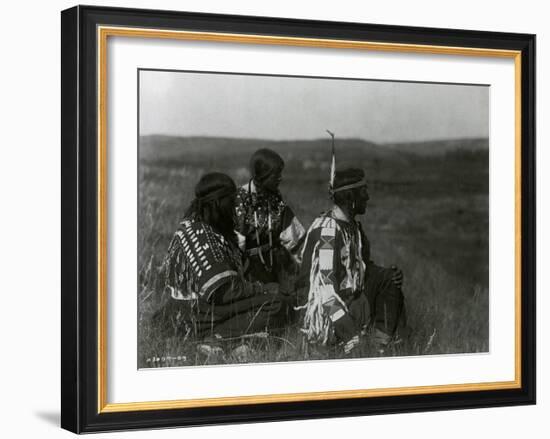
x=386, y=301
x=381, y=306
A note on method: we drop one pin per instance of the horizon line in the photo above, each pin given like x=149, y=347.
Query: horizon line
x=438, y=139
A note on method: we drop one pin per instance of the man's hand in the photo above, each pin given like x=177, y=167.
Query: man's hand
x=397, y=277
x=271, y=288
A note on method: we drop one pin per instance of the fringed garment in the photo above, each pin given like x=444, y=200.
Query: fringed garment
x=334, y=261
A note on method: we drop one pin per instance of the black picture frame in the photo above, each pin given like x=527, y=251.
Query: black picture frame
x=79, y=164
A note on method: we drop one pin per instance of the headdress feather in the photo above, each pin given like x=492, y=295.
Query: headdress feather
x=332, y=164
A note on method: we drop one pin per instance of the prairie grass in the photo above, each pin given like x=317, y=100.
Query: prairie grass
x=428, y=215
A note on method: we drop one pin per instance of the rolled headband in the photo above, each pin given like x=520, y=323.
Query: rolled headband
x=217, y=194
x=362, y=182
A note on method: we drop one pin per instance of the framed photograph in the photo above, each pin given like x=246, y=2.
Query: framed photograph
x=271, y=219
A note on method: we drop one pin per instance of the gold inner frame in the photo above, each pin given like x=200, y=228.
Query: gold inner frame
x=103, y=32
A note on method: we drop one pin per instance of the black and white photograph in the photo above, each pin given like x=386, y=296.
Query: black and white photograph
x=269, y=219
x=287, y=218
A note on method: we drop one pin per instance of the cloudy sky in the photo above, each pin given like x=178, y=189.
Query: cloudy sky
x=282, y=108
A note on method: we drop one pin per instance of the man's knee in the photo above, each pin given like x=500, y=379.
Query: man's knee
x=380, y=282
x=387, y=275
x=376, y=275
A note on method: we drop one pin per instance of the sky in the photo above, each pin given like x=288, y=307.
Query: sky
x=290, y=108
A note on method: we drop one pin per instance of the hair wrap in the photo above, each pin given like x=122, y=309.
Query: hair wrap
x=362, y=182
x=216, y=195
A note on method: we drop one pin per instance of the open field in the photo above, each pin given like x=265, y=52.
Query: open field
x=428, y=214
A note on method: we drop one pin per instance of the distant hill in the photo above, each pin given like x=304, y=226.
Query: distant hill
x=439, y=147
x=163, y=148
x=155, y=147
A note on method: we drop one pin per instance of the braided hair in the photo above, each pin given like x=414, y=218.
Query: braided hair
x=214, y=203
x=264, y=163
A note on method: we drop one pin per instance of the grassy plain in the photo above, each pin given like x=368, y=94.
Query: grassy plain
x=428, y=214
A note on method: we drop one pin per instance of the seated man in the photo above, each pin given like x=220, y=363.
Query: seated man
x=204, y=271
x=346, y=292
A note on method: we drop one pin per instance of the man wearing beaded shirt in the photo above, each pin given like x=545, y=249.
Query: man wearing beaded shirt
x=344, y=292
